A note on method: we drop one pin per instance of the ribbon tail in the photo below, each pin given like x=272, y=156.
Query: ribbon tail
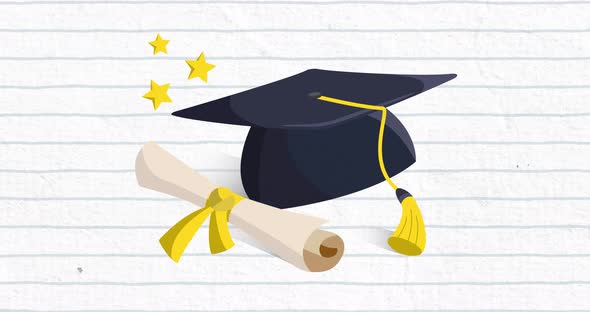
x=219, y=237
x=180, y=235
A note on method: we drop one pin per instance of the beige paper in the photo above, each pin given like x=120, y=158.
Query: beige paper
x=294, y=237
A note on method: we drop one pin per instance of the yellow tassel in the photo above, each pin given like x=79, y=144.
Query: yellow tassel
x=410, y=236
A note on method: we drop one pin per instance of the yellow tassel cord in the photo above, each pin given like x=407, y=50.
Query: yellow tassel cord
x=410, y=236
x=219, y=204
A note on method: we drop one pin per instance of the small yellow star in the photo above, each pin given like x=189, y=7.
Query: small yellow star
x=199, y=67
x=159, y=45
x=158, y=94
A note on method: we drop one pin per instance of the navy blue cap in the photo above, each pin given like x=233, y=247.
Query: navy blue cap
x=301, y=150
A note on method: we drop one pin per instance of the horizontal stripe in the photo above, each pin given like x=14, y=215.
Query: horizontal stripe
x=474, y=198
x=242, y=142
x=299, y=2
x=99, y=171
x=119, y=143
x=154, y=115
x=333, y=227
x=303, y=283
x=82, y=86
x=348, y=255
x=294, y=30
x=516, y=171
x=300, y=310
x=286, y=58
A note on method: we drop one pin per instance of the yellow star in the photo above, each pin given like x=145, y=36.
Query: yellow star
x=159, y=45
x=158, y=94
x=199, y=67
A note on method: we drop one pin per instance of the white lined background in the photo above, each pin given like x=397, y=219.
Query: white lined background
x=502, y=154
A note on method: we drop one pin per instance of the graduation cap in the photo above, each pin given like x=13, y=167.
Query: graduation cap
x=321, y=134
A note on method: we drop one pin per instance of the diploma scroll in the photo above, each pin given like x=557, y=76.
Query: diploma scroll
x=294, y=237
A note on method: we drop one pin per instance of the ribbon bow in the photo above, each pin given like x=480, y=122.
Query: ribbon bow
x=218, y=205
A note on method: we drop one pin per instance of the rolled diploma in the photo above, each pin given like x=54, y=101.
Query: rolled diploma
x=294, y=237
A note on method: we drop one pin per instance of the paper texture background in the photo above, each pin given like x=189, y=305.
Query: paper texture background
x=501, y=174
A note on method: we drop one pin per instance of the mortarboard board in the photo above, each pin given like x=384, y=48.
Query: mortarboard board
x=312, y=139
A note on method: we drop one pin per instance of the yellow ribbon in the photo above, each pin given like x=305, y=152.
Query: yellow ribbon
x=218, y=205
